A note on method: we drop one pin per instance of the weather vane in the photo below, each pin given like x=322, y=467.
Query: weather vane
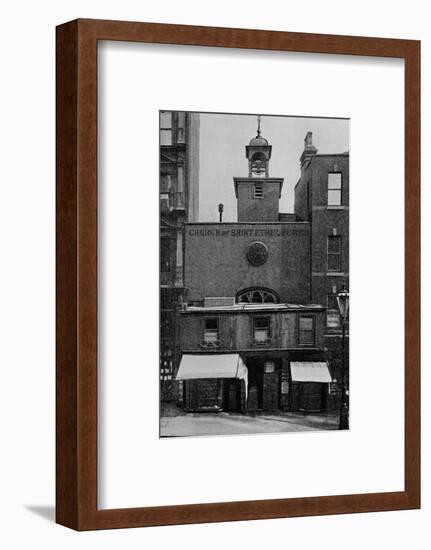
x=258, y=125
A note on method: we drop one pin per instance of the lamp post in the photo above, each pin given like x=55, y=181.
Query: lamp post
x=220, y=211
x=343, y=306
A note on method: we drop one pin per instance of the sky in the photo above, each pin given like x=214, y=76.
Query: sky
x=223, y=138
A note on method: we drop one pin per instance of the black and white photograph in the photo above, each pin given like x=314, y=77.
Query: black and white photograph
x=254, y=273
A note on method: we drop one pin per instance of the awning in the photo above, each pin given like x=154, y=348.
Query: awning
x=310, y=371
x=194, y=367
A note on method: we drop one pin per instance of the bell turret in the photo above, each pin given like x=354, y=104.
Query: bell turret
x=258, y=194
x=258, y=153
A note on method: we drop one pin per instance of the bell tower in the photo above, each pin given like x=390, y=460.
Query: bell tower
x=258, y=153
x=258, y=194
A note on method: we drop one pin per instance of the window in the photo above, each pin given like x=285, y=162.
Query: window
x=334, y=253
x=211, y=330
x=306, y=331
x=181, y=126
x=269, y=367
x=164, y=201
x=180, y=178
x=257, y=296
x=261, y=329
x=334, y=189
x=332, y=313
x=165, y=255
x=165, y=128
x=258, y=192
x=165, y=183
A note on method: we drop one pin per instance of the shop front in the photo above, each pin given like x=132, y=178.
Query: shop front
x=277, y=384
x=213, y=382
x=253, y=383
x=265, y=378
x=309, y=386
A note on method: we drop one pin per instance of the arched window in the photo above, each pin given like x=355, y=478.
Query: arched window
x=258, y=156
x=258, y=164
x=257, y=295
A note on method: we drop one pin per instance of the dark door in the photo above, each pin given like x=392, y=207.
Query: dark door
x=271, y=391
x=255, y=384
x=232, y=395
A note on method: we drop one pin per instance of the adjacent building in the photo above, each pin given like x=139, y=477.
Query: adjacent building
x=258, y=329
x=322, y=200
x=179, y=203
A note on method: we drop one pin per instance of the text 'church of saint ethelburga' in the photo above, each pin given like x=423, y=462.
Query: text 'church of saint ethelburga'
x=258, y=328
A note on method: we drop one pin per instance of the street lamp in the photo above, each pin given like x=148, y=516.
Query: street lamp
x=343, y=306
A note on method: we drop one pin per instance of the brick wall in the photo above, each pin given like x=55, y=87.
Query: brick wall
x=216, y=259
x=326, y=220
x=251, y=209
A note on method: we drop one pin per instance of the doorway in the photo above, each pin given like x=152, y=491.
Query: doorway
x=232, y=395
x=263, y=384
x=255, y=384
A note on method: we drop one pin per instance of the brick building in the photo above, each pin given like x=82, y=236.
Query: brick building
x=254, y=327
x=322, y=200
x=179, y=196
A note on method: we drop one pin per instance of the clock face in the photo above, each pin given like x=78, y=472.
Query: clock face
x=257, y=253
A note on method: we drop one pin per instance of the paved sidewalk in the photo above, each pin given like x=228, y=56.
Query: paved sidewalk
x=318, y=421
x=180, y=424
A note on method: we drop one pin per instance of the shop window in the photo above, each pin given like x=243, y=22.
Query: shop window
x=211, y=331
x=334, y=189
x=261, y=329
x=165, y=128
x=306, y=331
x=332, y=313
x=334, y=253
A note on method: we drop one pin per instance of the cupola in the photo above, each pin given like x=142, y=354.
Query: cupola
x=258, y=153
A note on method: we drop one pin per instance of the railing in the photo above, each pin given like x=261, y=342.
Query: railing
x=262, y=343
x=215, y=344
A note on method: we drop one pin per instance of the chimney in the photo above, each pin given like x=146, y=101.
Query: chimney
x=309, y=150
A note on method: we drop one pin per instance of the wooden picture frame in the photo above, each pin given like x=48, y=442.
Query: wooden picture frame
x=76, y=375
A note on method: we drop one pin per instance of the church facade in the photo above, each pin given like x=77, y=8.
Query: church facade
x=253, y=331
